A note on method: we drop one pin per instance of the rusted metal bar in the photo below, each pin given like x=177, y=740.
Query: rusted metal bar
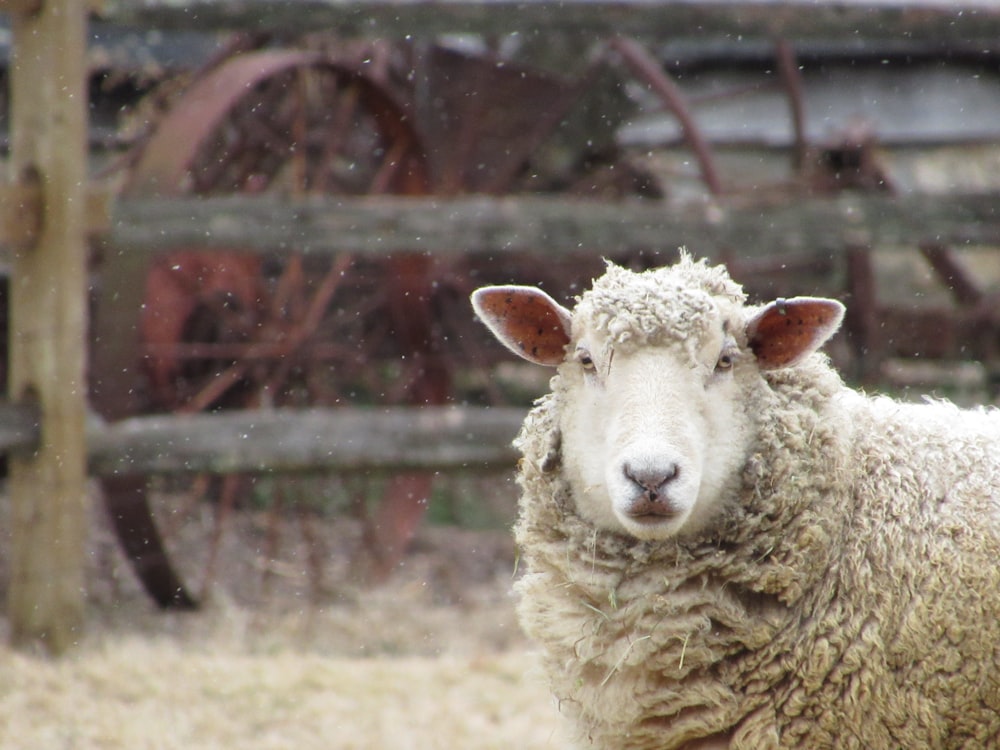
x=862, y=319
x=947, y=267
x=646, y=67
x=791, y=77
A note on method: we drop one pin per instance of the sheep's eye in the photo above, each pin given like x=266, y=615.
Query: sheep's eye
x=726, y=361
x=584, y=358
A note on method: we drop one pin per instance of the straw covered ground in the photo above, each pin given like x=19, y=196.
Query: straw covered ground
x=289, y=653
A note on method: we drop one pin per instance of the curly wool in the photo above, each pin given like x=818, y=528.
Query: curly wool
x=656, y=306
x=848, y=598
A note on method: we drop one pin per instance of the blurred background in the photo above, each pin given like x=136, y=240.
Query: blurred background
x=300, y=494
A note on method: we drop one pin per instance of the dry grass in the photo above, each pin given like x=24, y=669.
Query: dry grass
x=432, y=660
x=158, y=693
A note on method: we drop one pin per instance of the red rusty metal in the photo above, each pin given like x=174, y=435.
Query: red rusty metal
x=862, y=321
x=645, y=67
x=791, y=78
x=251, y=124
x=223, y=289
x=483, y=118
x=976, y=325
x=953, y=275
x=171, y=153
x=427, y=380
x=878, y=331
x=850, y=161
x=234, y=129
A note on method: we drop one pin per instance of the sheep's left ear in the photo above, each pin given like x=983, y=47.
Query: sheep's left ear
x=786, y=331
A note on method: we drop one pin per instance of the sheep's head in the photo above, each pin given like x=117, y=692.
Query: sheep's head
x=653, y=372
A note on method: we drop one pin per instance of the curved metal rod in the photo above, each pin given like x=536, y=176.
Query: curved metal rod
x=644, y=66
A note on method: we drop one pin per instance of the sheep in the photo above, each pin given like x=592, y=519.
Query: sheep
x=724, y=546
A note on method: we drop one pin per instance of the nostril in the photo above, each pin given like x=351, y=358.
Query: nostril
x=651, y=479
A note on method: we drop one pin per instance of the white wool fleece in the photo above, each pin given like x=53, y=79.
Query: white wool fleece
x=844, y=591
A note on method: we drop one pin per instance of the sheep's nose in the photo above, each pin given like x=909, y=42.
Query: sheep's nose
x=652, y=479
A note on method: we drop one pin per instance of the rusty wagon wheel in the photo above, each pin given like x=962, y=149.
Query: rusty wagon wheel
x=229, y=329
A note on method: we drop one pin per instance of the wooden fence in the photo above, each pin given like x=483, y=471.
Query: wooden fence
x=380, y=226
x=48, y=321
x=48, y=209
x=969, y=22
x=287, y=440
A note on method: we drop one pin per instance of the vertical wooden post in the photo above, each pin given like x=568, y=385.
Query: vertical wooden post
x=48, y=327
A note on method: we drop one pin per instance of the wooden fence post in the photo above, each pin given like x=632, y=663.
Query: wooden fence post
x=48, y=327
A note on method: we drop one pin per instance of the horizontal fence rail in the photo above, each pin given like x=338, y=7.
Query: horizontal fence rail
x=379, y=226
x=940, y=21
x=284, y=440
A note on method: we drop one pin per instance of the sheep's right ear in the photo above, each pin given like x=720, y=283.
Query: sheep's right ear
x=526, y=320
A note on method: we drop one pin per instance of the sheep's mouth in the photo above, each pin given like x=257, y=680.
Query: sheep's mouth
x=651, y=512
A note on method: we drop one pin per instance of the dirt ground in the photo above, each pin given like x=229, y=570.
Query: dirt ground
x=289, y=651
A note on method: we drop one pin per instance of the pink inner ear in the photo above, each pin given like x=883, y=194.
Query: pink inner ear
x=786, y=331
x=527, y=321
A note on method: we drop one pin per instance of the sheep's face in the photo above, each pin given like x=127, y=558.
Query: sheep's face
x=653, y=435
x=654, y=369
